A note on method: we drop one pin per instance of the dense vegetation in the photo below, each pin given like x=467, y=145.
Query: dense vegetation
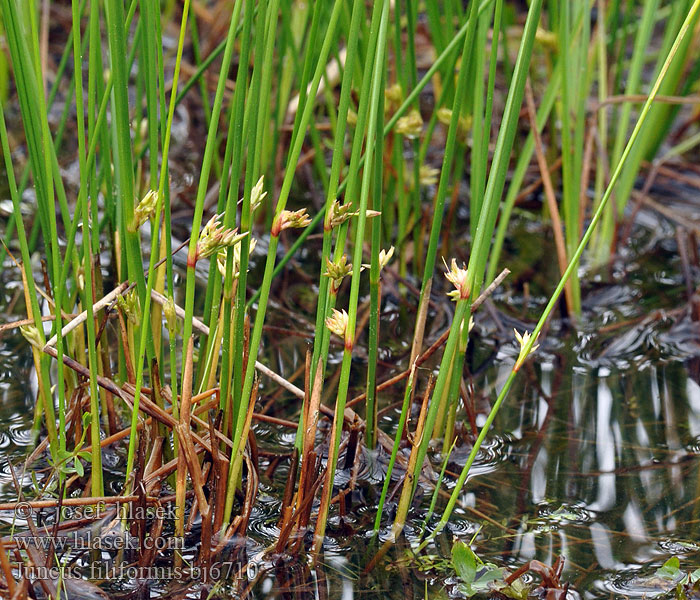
x=373, y=125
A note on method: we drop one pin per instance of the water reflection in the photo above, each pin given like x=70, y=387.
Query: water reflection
x=594, y=455
x=609, y=479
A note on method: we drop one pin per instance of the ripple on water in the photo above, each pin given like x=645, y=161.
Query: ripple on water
x=263, y=521
x=631, y=585
x=693, y=447
x=678, y=547
x=492, y=453
x=681, y=340
x=20, y=435
x=462, y=528
x=563, y=514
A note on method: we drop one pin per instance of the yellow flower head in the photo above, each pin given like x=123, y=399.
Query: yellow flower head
x=337, y=271
x=257, y=194
x=411, y=125
x=221, y=258
x=338, y=322
x=385, y=257
x=144, y=210
x=459, y=278
x=428, y=175
x=289, y=219
x=523, y=341
x=215, y=236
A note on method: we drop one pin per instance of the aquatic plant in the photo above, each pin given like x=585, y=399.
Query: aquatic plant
x=323, y=124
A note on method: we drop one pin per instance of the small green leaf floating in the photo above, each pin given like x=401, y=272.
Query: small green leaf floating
x=671, y=570
x=476, y=575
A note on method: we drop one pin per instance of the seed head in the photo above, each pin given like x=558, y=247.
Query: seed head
x=341, y=213
x=257, y=194
x=524, y=340
x=411, y=125
x=337, y=271
x=548, y=39
x=170, y=315
x=221, y=258
x=444, y=115
x=459, y=278
x=291, y=219
x=130, y=306
x=140, y=132
x=470, y=326
x=32, y=335
x=393, y=96
x=384, y=258
x=215, y=236
x=428, y=175
x=338, y=322
x=464, y=124
x=145, y=210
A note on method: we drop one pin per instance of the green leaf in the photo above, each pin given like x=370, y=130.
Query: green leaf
x=79, y=467
x=670, y=570
x=63, y=455
x=85, y=455
x=464, y=561
x=516, y=590
x=486, y=576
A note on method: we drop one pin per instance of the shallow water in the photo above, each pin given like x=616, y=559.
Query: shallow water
x=594, y=456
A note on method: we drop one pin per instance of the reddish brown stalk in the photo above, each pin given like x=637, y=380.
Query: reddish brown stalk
x=436, y=345
x=193, y=466
x=310, y=424
x=326, y=493
x=528, y=190
x=21, y=593
x=468, y=401
x=251, y=494
x=550, y=195
x=184, y=424
x=417, y=344
x=287, y=508
x=96, y=501
x=156, y=532
x=131, y=378
x=218, y=491
x=112, y=424
x=155, y=461
x=7, y=570
x=194, y=511
x=238, y=453
x=157, y=394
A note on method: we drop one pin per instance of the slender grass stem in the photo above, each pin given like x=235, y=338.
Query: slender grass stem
x=573, y=264
x=377, y=62
x=96, y=471
x=145, y=329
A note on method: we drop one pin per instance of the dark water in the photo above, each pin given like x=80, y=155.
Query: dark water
x=594, y=456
